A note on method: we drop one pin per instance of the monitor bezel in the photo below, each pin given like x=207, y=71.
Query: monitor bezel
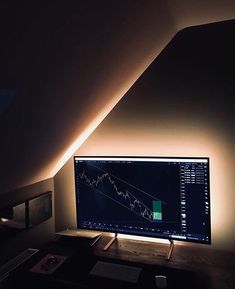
x=166, y=158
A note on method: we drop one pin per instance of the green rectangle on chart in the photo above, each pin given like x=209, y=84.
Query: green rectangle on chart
x=157, y=210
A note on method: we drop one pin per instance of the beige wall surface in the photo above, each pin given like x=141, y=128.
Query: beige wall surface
x=180, y=116
x=67, y=65
x=69, y=74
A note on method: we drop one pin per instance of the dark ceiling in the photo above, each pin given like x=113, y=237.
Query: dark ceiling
x=195, y=71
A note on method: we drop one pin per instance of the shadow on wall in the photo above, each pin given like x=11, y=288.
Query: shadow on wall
x=182, y=105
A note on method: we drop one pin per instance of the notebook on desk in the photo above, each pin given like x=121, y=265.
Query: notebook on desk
x=79, y=233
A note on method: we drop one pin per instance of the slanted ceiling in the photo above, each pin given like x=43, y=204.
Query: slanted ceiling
x=64, y=66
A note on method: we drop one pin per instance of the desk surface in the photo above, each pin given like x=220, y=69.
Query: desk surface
x=214, y=268
x=190, y=267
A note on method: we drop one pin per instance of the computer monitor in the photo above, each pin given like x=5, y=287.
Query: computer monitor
x=162, y=197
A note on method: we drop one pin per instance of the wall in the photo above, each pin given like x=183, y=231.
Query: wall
x=66, y=66
x=52, y=73
x=65, y=210
x=181, y=106
x=34, y=237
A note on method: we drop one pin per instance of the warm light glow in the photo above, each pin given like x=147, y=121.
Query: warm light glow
x=97, y=120
x=193, y=141
x=4, y=220
x=189, y=13
x=148, y=239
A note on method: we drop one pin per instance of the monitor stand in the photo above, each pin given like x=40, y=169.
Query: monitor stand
x=170, y=251
x=111, y=242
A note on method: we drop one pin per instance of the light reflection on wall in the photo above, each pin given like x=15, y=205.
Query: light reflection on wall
x=180, y=16
x=103, y=109
x=203, y=141
x=172, y=130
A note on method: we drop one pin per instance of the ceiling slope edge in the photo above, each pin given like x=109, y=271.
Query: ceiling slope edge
x=182, y=16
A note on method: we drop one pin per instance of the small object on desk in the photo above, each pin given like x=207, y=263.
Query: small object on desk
x=79, y=233
x=160, y=281
x=48, y=264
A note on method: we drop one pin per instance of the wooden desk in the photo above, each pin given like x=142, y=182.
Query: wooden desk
x=216, y=268
x=190, y=267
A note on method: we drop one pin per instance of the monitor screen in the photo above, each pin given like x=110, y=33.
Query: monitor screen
x=146, y=196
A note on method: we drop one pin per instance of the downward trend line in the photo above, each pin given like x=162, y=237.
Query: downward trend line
x=134, y=205
x=149, y=217
x=123, y=181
